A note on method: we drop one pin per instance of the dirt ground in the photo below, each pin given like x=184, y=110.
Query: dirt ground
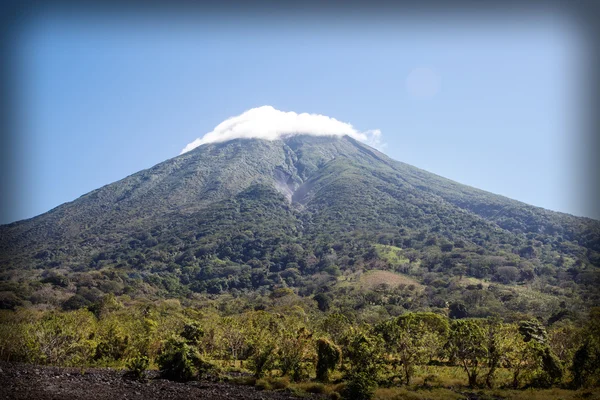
x=22, y=381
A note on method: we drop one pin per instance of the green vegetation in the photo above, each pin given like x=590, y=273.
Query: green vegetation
x=292, y=344
x=300, y=260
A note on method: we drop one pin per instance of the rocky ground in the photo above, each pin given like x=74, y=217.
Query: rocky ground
x=22, y=381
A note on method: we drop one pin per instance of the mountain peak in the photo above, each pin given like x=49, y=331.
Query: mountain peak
x=268, y=123
x=240, y=204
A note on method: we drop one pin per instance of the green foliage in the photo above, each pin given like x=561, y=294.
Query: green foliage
x=61, y=339
x=422, y=348
x=179, y=361
x=360, y=386
x=533, y=330
x=215, y=223
x=112, y=344
x=586, y=360
x=413, y=338
x=364, y=353
x=137, y=366
x=294, y=353
x=328, y=357
x=192, y=333
x=466, y=339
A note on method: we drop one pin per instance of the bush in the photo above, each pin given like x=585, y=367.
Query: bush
x=262, y=359
x=137, y=367
x=328, y=357
x=273, y=383
x=192, y=333
x=179, y=361
x=262, y=384
x=280, y=383
x=317, y=388
x=360, y=386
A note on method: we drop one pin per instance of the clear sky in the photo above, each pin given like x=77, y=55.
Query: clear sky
x=494, y=104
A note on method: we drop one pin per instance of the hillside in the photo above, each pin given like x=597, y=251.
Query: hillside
x=249, y=217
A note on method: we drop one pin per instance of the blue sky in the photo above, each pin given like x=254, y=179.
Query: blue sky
x=100, y=98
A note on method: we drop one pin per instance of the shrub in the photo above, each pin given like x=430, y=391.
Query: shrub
x=317, y=388
x=262, y=384
x=262, y=359
x=360, y=386
x=328, y=357
x=137, y=366
x=179, y=361
x=192, y=333
x=280, y=383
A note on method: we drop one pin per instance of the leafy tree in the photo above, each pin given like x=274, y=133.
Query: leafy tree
x=62, y=338
x=137, y=366
x=234, y=336
x=360, y=386
x=411, y=337
x=563, y=338
x=497, y=346
x=263, y=330
x=466, y=339
x=179, y=361
x=328, y=357
x=294, y=352
x=522, y=357
x=112, y=343
x=323, y=301
x=458, y=311
x=586, y=360
x=336, y=325
x=192, y=332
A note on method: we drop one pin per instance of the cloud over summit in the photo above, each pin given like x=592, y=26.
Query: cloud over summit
x=269, y=123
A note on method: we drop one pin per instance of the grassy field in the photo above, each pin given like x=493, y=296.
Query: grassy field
x=371, y=279
x=430, y=383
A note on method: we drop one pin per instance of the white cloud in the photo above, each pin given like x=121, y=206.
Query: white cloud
x=269, y=123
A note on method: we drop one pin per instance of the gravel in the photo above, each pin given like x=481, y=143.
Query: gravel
x=23, y=381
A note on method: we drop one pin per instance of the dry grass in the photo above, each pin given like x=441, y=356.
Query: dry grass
x=542, y=394
x=372, y=279
x=270, y=383
x=408, y=394
x=403, y=393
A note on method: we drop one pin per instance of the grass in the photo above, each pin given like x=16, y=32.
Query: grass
x=410, y=394
x=272, y=383
x=372, y=279
x=429, y=383
x=391, y=254
x=414, y=393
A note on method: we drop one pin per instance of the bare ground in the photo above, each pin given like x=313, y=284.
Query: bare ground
x=22, y=381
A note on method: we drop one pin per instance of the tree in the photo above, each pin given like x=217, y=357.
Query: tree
x=364, y=353
x=62, y=338
x=328, y=357
x=586, y=361
x=263, y=331
x=323, y=301
x=522, y=357
x=294, y=351
x=179, y=361
x=564, y=338
x=466, y=345
x=412, y=337
x=234, y=336
x=458, y=311
x=496, y=346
